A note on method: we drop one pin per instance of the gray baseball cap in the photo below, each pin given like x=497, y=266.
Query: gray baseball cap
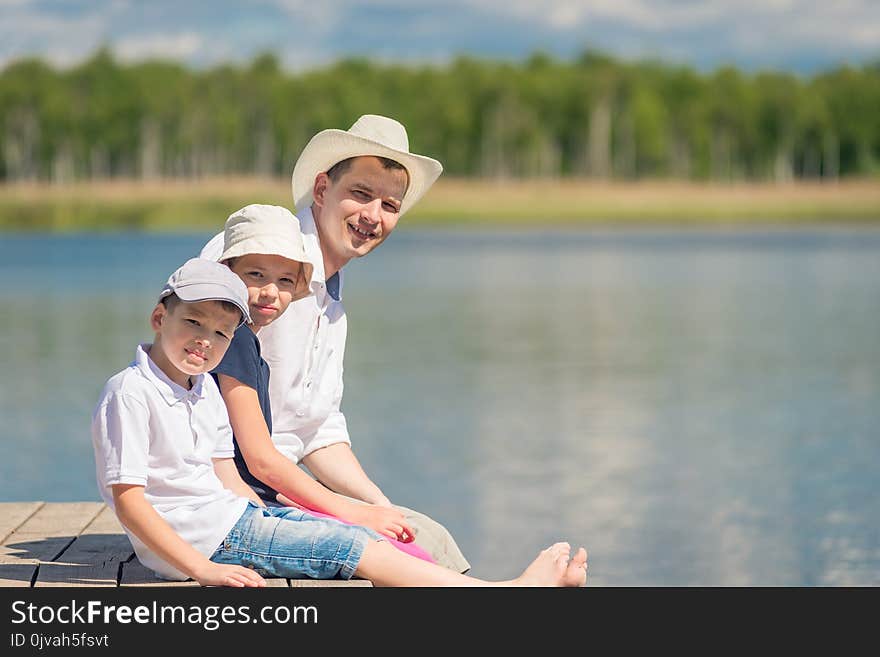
x=200, y=279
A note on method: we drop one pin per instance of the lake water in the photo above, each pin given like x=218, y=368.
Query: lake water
x=695, y=407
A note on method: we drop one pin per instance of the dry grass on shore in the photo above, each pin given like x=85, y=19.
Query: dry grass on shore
x=655, y=201
x=196, y=204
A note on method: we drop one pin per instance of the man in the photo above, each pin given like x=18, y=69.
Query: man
x=350, y=189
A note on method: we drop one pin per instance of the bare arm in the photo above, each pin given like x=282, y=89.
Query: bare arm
x=228, y=474
x=144, y=522
x=337, y=467
x=270, y=466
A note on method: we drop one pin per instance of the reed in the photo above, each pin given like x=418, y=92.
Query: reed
x=186, y=205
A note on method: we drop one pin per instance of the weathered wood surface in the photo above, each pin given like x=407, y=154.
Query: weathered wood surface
x=82, y=544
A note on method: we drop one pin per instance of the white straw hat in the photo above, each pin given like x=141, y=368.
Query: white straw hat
x=267, y=230
x=200, y=279
x=369, y=135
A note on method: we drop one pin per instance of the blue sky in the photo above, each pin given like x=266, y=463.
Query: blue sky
x=796, y=35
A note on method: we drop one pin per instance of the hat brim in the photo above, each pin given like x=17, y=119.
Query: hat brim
x=195, y=292
x=331, y=146
x=254, y=247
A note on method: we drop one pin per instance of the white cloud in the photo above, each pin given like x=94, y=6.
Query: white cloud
x=809, y=24
x=867, y=35
x=578, y=14
x=836, y=21
x=166, y=46
x=310, y=15
x=307, y=33
x=63, y=41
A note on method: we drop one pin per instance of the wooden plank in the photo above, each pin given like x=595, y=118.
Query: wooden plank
x=15, y=570
x=52, y=524
x=13, y=514
x=41, y=538
x=83, y=544
x=93, y=559
x=134, y=573
x=328, y=583
x=277, y=582
x=105, y=522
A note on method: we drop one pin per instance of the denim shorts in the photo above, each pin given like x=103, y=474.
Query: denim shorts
x=289, y=542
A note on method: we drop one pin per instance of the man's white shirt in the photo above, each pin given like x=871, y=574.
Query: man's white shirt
x=305, y=348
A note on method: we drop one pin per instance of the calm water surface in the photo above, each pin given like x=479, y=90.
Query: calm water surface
x=697, y=408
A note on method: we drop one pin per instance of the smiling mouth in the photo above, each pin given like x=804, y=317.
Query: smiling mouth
x=197, y=354
x=360, y=233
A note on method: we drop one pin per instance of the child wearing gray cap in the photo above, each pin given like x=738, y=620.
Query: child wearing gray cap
x=164, y=464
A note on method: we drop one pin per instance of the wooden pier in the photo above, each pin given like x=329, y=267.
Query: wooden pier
x=83, y=544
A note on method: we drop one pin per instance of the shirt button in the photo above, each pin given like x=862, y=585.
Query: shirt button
x=300, y=413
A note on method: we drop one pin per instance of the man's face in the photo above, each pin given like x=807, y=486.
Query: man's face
x=357, y=213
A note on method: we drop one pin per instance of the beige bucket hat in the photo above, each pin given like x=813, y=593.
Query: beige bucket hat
x=371, y=134
x=268, y=230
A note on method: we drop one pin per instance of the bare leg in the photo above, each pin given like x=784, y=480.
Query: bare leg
x=386, y=566
x=556, y=571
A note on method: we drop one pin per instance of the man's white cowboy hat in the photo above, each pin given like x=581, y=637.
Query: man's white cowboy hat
x=369, y=135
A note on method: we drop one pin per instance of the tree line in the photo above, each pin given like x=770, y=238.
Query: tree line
x=593, y=116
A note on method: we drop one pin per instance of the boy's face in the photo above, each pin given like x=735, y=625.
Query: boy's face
x=358, y=211
x=191, y=338
x=272, y=282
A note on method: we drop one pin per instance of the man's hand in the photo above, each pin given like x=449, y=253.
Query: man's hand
x=217, y=574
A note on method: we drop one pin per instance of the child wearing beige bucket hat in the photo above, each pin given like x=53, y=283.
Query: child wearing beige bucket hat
x=263, y=245
x=266, y=230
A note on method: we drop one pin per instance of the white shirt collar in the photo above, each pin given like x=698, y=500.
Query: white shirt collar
x=309, y=230
x=171, y=392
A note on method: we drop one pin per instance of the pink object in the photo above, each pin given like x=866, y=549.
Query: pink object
x=409, y=548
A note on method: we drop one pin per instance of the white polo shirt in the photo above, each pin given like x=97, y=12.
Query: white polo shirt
x=304, y=349
x=151, y=432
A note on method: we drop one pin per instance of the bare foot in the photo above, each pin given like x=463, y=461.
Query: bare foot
x=550, y=568
x=576, y=572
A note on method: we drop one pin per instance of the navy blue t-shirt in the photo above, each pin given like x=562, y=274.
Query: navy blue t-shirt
x=244, y=363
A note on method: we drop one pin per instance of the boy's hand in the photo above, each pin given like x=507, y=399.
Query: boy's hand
x=387, y=521
x=217, y=574
x=286, y=501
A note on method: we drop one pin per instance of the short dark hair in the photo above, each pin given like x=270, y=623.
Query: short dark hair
x=338, y=170
x=172, y=300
